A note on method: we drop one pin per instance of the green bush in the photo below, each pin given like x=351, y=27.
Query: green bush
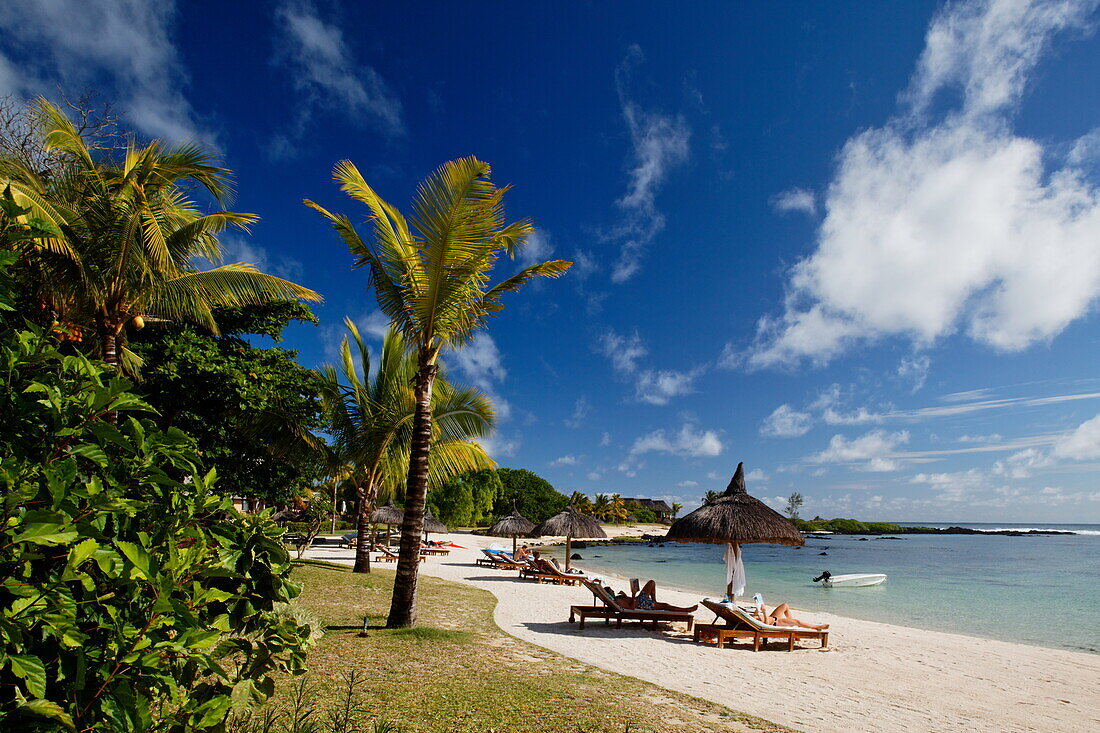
x=133, y=596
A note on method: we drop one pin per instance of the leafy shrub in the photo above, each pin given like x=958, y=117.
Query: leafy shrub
x=133, y=597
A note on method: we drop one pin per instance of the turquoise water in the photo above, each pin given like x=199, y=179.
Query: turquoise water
x=1042, y=590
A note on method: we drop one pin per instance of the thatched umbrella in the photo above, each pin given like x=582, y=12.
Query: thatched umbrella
x=388, y=515
x=733, y=519
x=569, y=523
x=431, y=524
x=514, y=524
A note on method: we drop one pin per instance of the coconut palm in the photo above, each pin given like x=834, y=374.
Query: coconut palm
x=431, y=277
x=676, y=508
x=600, y=506
x=370, y=417
x=130, y=237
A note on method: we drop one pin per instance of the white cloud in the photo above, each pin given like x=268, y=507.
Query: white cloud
x=991, y=438
x=594, y=476
x=658, y=387
x=795, y=199
x=1082, y=444
x=566, y=460
x=915, y=369
x=497, y=446
x=624, y=351
x=481, y=364
x=658, y=144
x=122, y=47
x=584, y=265
x=605, y=440
x=830, y=403
x=1020, y=464
x=786, y=422
x=654, y=386
x=936, y=226
x=538, y=249
x=580, y=412
x=689, y=442
x=875, y=447
x=756, y=475
x=325, y=73
x=687, y=484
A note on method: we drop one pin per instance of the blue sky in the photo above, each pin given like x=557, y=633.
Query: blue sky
x=855, y=245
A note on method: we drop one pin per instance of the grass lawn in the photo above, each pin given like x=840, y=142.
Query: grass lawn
x=458, y=672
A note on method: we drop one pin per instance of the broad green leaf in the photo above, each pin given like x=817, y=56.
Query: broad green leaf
x=92, y=453
x=136, y=555
x=31, y=670
x=50, y=533
x=47, y=709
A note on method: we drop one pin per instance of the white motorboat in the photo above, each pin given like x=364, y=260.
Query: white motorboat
x=850, y=580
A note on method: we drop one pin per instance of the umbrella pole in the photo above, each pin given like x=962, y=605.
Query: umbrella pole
x=568, y=551
x=388, y=535
x=513, y=545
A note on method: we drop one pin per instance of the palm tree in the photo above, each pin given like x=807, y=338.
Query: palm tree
x=676, y=509
x=600, y=506
x=371, y=417
x=618, y=511
x=580, y=502
x=130, y=237
x=431, y=277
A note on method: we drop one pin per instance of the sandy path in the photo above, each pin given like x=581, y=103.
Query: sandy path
x=873, y=677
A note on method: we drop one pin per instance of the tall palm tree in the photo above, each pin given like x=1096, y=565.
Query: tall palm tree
x=431, y=277
x=131, y=237
x=676, y=509
x=600, y=506
x=370, y=417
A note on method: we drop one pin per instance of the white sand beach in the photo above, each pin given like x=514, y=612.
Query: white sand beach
x=872, y=677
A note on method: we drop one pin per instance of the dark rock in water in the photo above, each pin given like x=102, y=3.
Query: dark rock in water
x=822, y=553
x=651, y=545
x=575, y=556
x=888, y=538
x=660, y=545
x=862, y=539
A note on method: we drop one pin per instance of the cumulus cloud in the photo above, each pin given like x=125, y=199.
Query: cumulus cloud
x=874, y=450
x=566, y=460
x=1083, y=444
x=786, y=422
x=795, y=199
x=482, y=365
x=935, y=225
x=122, y=47
x=326, y=74
x=654, y=386
x=689, y=442
x=659, y=143
x=605, y=440
x=915, y=369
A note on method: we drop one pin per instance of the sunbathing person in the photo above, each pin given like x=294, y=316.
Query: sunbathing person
x=781, y=616
x=521, y=554
x=644, y=600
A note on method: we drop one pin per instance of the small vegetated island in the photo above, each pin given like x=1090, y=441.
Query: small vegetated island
x=840, y=525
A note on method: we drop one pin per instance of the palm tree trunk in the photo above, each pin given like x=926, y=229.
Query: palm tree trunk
x=363, y=536
x=403, y=604
x=109, y=339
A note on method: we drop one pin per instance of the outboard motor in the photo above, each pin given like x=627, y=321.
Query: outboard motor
x=825, y=575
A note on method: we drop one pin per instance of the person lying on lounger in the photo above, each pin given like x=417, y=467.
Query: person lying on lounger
x=644, y=601
x=522, y=553
x=781, y=616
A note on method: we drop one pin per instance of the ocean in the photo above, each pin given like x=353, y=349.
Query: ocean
x=1037, y=589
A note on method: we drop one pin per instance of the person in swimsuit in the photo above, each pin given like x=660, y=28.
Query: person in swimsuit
x=521, y=554
x=645, y=600
x=781, y=616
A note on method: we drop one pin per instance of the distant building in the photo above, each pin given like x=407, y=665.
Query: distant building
x=658, y=507
x=249, y=504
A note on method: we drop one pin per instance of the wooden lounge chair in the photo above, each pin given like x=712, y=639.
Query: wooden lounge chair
x=489, y=560
x=612, y=610
x=544, y=571
x=739, y=623
x=430, y=550
x=388, y=555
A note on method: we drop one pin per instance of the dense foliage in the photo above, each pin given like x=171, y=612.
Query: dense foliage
x=132, y=597
x=533, y=495
x=845, y=526
x=466, y=500
x=251, y=409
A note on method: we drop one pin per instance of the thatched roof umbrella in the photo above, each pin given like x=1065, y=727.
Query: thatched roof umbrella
x=431, y=524
x=514, y=524
x=569, y=523
x=388, y=515
x=733, y=519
